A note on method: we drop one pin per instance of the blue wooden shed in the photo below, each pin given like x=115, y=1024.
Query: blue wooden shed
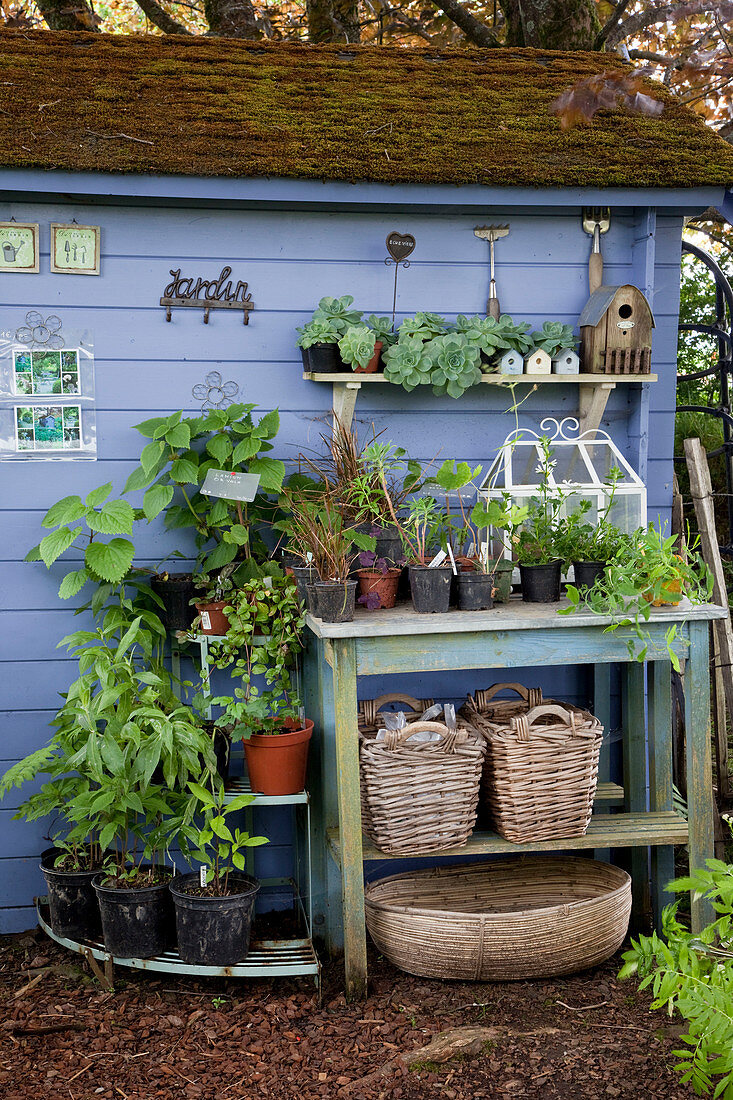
x=290, y=165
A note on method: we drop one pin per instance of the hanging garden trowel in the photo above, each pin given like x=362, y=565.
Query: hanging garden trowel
x=596, y=220
x=492, y=233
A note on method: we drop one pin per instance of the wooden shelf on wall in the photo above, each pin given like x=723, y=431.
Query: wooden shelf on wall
x=593, y=389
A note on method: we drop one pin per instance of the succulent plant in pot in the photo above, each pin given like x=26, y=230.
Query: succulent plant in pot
x=319, y=337
x=360, y=349
x=553, y=337
x=456, y=364
x=214, y=907
x=407, y=363
x=423, y=326
x=485, y=333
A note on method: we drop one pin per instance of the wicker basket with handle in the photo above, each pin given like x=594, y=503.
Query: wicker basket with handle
x=541, y=772
x=526, y=917
x=420, y=796
x=370, y=710
x=484, y=704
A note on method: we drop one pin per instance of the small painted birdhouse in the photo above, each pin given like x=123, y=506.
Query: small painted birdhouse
x=537, y=362
x=511, y=362
x=616, y=331
x=566, y=362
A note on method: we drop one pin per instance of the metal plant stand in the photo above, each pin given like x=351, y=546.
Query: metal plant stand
x=266, y=958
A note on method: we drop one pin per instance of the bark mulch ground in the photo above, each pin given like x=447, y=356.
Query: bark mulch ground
x=586, y=1036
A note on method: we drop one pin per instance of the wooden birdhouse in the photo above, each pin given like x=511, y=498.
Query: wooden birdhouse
x=616, y=332
x=537, y=362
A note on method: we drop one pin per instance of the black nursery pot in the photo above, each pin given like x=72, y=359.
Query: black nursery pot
x=587, y=572
x=214, y=931
x=430, y=588
x=389, y=545
x=72, y=902
x=335, y=601
x=136, y=924
x=176, y=591
x=304, y=575
x=475, y=591
x=541, y=583
x=324, y=359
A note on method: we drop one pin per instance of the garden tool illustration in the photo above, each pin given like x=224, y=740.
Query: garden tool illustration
x=492, y=233
x=596, y=220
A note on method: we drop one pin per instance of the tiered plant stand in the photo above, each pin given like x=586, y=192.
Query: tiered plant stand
x=513, y=635
x=266, y=958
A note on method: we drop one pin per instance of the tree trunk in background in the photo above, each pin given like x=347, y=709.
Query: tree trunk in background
x=333, y=21
x=551, y=24
x=68, y=15
x=232, y=18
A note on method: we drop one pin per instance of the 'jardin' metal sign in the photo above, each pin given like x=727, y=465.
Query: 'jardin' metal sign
x=206, y=294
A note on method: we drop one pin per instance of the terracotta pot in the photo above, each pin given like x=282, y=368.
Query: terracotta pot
x=384, y=584
x=373, y=365
x=213, y=619
x=276, y=763
x=673, y=586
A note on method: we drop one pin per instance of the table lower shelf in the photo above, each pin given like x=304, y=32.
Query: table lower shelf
x=265, y=959
x=605, y=831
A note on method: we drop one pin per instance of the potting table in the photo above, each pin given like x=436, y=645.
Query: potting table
x=512, y=635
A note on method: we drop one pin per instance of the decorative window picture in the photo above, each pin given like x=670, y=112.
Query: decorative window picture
x=75, y=249
x=18, y=247
x=48, y=427
x=46, y=372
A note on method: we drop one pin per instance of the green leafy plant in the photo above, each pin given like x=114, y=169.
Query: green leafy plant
x=537, y=540
x=356, y=346
x=455, y=364
x=206, y=837
x=263, y=641
x=693, y=975
x=553, y=337
x=421, y=530
x=581, y=541
x=177, y=459
x=647, y=571
x=98, y=525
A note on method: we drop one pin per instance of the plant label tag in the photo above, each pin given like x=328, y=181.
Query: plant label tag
x=437, y=560
x=267, y=582
x=205, y=620
x=453, y=565
x=471, y=549
x=449, y=715
x=202, y=876
x=230, y=486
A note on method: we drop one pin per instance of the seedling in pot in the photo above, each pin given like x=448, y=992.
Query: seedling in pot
x=213, y=844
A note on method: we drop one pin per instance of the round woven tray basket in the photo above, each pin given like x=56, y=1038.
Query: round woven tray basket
x=504, y=920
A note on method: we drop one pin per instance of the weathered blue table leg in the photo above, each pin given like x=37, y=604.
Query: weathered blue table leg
x=635, y=757
x=699, y=762
x=602, y=711
x=660, y=777
x=349, y=811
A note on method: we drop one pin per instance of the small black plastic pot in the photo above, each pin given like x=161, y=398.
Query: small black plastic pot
x=475, y=591
x=324, y=359
x=541, y=583
x=389, y=545
x=176, y=590
x=214, y=931
x=430, y=588
x=72, y=903
x=304, y=575
x=335, y=601
x=305, y=356
x=587, y=572
x=136, y=924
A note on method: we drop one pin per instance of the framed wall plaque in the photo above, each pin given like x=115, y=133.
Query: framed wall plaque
x=75, y=249
x=19, y=247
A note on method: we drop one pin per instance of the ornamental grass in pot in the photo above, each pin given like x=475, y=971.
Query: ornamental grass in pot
x=263, y=643
x=214, y=906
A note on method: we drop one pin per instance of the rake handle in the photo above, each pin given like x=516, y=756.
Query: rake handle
x=595, y=271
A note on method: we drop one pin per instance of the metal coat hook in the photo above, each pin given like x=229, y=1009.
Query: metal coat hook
x=206, y=315
x=168, y=313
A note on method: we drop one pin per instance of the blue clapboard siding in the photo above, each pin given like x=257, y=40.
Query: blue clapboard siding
x=145, y=366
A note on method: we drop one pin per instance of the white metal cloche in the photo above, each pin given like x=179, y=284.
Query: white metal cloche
x=579, y=468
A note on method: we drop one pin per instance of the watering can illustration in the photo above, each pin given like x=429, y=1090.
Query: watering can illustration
x=10, y=252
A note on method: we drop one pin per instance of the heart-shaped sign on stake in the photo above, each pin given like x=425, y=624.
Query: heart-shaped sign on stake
x=400, y=245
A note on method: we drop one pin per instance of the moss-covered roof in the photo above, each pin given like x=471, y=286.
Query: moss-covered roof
x=214, y=107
